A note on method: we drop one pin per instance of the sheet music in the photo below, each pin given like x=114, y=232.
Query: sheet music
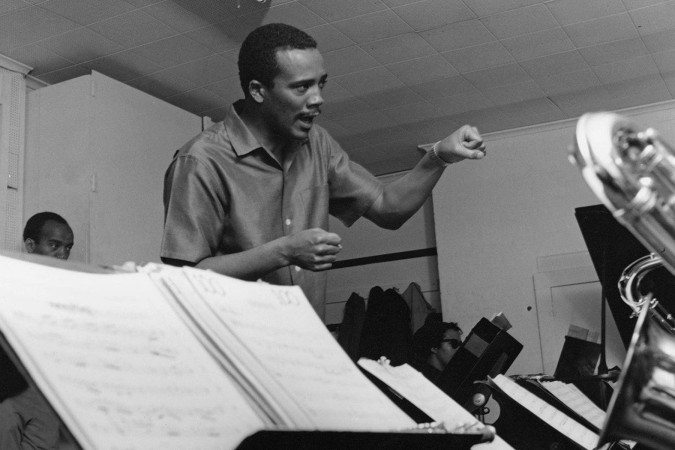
x=426, y=396
x=116, y=363
x=575, y=399
x=283, y=332
x=551, y=415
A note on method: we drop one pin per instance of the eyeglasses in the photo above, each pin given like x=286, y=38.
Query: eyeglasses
x=454, y=343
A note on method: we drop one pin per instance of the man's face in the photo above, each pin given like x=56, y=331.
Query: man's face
x=293, y=102
x=445, y=352
x=56, y=239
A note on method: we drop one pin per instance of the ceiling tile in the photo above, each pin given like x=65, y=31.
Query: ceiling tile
x=10, y=5
x=333, y=92
x=68, y=73
x=660, y=41
x=215, y=37
x=80, y=45
x=654, y=18
x=458, y=35
x=536, y=45
x=28, y=25
x=347, y=60
x=636, y=4
x=141, y=3
x=342, y=108
x=373, y=26
x=175, y=16
x=497, y=76
x=393, y=97
x=568, y=82
x=429, y=14
x=229, y=88
x=214, y=11
x=613, y=51
x=519, y=21
x=468, y=100
x=605, y=29
x=364, y=121
x=627, y=69
x=555, y=64
x=486, y=7
x=332, y=10
x=293, y=13
x=39, y=58
x=412, y=112
x=669, y=79
x=482, y=56
x=579, y=102
x=173, y=51
x=85, y=12
x=210, y=69
x=399, y=48
x=124, y=66
x=567, y=12
x=420, y=70
x=368, y=81
x=133, y=29
x=664, y=60
x=329, y=38
x=445, y=87
x=513, y=93
x=638, y=91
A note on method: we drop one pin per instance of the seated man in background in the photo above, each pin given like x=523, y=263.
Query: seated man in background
x=26, y=420
x=434, y=345
x=48, y=234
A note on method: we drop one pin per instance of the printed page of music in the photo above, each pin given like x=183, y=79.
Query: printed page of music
x=116, y=363
x=435, y=403
x=281, y=330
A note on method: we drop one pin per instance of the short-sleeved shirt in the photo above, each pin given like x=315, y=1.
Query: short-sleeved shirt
x=224, y=193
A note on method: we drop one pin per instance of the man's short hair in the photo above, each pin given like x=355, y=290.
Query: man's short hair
x=258, y=52
x=33, y=228
x=430, y=336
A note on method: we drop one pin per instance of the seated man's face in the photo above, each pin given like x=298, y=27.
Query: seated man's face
x=445, y=351
x=56, y=240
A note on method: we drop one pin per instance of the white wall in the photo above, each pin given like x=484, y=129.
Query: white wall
x=495, y=217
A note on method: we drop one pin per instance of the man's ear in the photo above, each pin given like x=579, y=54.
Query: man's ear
x=434, y=350
x=257, y=90
x=30, y=245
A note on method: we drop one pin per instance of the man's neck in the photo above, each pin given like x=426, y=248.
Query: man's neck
x=258, y=126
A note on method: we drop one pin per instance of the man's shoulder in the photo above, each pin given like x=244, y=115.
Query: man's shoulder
x=204, y=145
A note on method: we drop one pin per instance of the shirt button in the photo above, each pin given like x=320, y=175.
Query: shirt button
x=297, y=268
x=288, y=221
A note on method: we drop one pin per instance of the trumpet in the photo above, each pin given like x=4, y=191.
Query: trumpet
x=633, y=173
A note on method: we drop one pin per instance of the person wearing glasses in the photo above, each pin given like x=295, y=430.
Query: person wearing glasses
x=434, y=345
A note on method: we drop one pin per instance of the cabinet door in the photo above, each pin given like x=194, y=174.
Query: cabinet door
x=133, y=138
x=57, y=164
x=572, y=297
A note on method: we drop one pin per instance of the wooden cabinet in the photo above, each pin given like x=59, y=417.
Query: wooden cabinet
x=96, y=153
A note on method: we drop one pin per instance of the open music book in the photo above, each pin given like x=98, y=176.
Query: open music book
x=181, y=358
x=555, y=418
x=418, y=390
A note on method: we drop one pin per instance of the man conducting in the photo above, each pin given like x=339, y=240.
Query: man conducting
x=250, y=196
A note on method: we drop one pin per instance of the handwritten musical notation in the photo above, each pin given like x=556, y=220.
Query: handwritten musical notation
x=551, y=415
x=279, y=328
x=115, y=361
x=575, y=399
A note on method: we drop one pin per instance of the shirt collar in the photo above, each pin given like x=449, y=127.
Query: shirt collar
x=241, y=137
